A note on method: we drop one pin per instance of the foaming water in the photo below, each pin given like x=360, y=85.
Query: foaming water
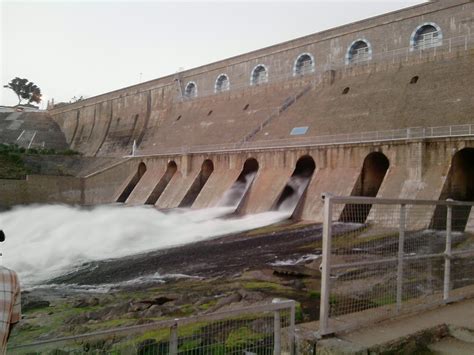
x=236, y=193
x=297, y=185
x=45, y=241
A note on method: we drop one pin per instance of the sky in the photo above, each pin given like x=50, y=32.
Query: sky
x=85, y=48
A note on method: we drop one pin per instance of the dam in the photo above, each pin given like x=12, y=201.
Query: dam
x=335, y=170
x=380, y=107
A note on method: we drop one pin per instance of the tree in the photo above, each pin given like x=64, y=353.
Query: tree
x=76, y=99
x=25, y=90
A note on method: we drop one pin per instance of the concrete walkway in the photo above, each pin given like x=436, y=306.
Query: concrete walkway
x=445, y=330
x=459, y=314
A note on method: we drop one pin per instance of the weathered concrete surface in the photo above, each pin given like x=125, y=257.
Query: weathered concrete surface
x=41, y=189
x=177, y=189
x=470, y=222
x=380, y=94
x=218, y=183
x=37, y=129
x=401, y=334
x=338, y=181
x=459, y=314
x=103, y=186
x=146, y=184
x=265, y=190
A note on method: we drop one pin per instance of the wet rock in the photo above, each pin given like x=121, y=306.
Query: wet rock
x=77, y=319
x=297, y=284
x=251, y=296
x=86, y=302
x=138, y=307
x=233, y=298
x=295, y=271
x=153, y=311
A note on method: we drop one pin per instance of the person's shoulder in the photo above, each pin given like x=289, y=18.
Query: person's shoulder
x=6, y=271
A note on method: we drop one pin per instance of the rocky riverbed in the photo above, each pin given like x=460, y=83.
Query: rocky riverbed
x=280, y=261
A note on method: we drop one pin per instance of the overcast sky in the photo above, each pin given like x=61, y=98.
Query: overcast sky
x=74, y=48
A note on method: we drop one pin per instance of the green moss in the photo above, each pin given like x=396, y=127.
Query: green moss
x=242, y=336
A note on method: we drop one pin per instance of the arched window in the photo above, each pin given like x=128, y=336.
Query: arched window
x=426, y=36
x=303, y=64
x=359, y=51
x=191, y=89
x=259, y=75
x=222, y=83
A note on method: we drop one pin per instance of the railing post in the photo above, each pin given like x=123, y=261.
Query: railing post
x=173, y=345
x=447, y=253
x=276, y=333
x=292, y=329
x=326, y=266
x=401, y=252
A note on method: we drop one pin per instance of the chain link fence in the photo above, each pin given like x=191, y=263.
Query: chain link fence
x=383, y=257
x=261, y=329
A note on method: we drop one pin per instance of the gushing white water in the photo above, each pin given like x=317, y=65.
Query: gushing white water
x=236, y=193
x=45, y=241
x=298, y=185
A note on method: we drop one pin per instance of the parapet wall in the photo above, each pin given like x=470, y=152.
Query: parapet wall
x=158, y=117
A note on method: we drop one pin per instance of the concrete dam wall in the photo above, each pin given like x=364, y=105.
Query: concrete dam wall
x=292, y=111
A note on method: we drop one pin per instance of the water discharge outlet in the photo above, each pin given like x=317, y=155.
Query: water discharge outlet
x=370, y=179
x=162, y=183
x=133, y=183
x=296, y=186
x=206, y=170
x=236, y=194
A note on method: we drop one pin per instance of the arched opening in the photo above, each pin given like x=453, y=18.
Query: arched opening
x=133, y=182
x=297, y=184
x=370, y=179
x=359, y=52
x=426, y=36
x=238, y=190
x=207, y=168
x=222, y=83
x=191, y=89
x=304, y=64
x=259, y=75
x=458, y=186
x=162, y=184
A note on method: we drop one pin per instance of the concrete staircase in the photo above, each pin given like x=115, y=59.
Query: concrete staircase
x=284, y=107
x=31, y=129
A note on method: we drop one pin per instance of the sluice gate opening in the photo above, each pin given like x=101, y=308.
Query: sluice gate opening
x=459, y=186
x=373, y=172
x=237, y=192
x=206, y=170
x=133, y=183
x=162, y=183
x=297, y=184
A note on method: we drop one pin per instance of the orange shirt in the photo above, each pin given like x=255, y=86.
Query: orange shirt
x=10, y=304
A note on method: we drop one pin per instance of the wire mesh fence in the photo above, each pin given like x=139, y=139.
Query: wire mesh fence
x=262, y=329
x=383, y=257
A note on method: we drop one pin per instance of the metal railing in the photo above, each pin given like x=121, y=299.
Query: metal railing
x=261, y=329
x=384, y=257
x=412, y=133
